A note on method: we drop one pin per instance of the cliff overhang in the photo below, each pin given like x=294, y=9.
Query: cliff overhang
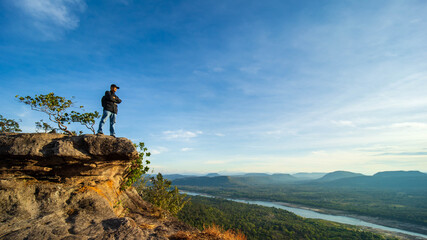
x=62, y=158
x=54, y=186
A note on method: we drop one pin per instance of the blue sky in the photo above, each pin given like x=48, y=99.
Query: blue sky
x=233, y=86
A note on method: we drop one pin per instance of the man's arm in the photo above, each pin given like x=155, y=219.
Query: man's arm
x=112, y=97
x=117, y=99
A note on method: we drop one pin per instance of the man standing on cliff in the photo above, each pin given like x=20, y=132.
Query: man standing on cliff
x=109, y=103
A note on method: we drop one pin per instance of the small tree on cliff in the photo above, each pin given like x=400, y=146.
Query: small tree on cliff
x=161, y=194
x=8, y=125
x=137, y=168
x=85, y=119
x=56, y=108
x=159, y=191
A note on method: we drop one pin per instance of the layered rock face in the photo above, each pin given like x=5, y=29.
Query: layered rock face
x=60, y=158
x=54, y=186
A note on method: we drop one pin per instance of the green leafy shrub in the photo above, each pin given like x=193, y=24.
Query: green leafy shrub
x=137, y=168
x=160, y=193
x=8, y=125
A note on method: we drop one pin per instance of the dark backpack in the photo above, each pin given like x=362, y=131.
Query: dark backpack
x=103, y=101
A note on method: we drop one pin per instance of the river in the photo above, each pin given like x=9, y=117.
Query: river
x=306, y=213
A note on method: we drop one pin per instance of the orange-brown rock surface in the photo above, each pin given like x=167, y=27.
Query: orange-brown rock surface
x=54, y=186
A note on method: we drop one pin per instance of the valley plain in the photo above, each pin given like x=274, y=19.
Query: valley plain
x=395, y=199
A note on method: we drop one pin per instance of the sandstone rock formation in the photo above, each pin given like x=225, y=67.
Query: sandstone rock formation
x=54, y=186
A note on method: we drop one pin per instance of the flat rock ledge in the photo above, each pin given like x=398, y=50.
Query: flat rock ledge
x=62, y=158
x=54, y=186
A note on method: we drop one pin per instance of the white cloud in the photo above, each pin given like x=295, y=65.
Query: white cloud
x=409, y=125
x=218, y=69
x=413, y=125
x=181, y=134
x=250, y=69
x=159, y=150
x=52, y=17
x=186, y=149
x=213, y=162
x=219, y=134
x=275, y=132
x=344, y=123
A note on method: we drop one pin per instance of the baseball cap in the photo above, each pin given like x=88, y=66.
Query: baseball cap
x=114, y=85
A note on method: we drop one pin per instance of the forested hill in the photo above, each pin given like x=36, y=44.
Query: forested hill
x=221, y=181
x=406, y=180
x=339, y=175
x=398, y=180
x=226, y=181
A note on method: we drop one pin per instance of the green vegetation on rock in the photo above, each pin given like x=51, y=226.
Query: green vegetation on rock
x=160, y=193
x=138, y=167
x=8, y=125
x=157, y=190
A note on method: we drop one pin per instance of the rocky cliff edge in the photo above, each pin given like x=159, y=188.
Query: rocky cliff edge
x=54, y=186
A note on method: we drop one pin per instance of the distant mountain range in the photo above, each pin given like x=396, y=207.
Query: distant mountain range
x=408, y=180
x=175, y=176
x=388, y=180
x=221, y=181
x=212, y=175
x=338, y=175
x=299, y=176
x=256, y=174
x=308, y=176
x=178, y=176
x=263, y=179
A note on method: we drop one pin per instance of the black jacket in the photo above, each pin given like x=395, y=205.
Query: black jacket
x=110, y=101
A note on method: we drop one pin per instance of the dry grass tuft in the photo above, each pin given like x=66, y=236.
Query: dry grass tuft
x=213, y=232
x=181, y=236
x=217, y=231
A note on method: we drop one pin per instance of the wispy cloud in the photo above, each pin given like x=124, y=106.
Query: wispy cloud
x=186, y=149
x=409, y=125
x=181, y=134
x=52, y=17
x=344, y=123
x=250, y=69
x=159, y=150
x=412, y=125
x=215, y=162
x=404, y=154
x=218, y=69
